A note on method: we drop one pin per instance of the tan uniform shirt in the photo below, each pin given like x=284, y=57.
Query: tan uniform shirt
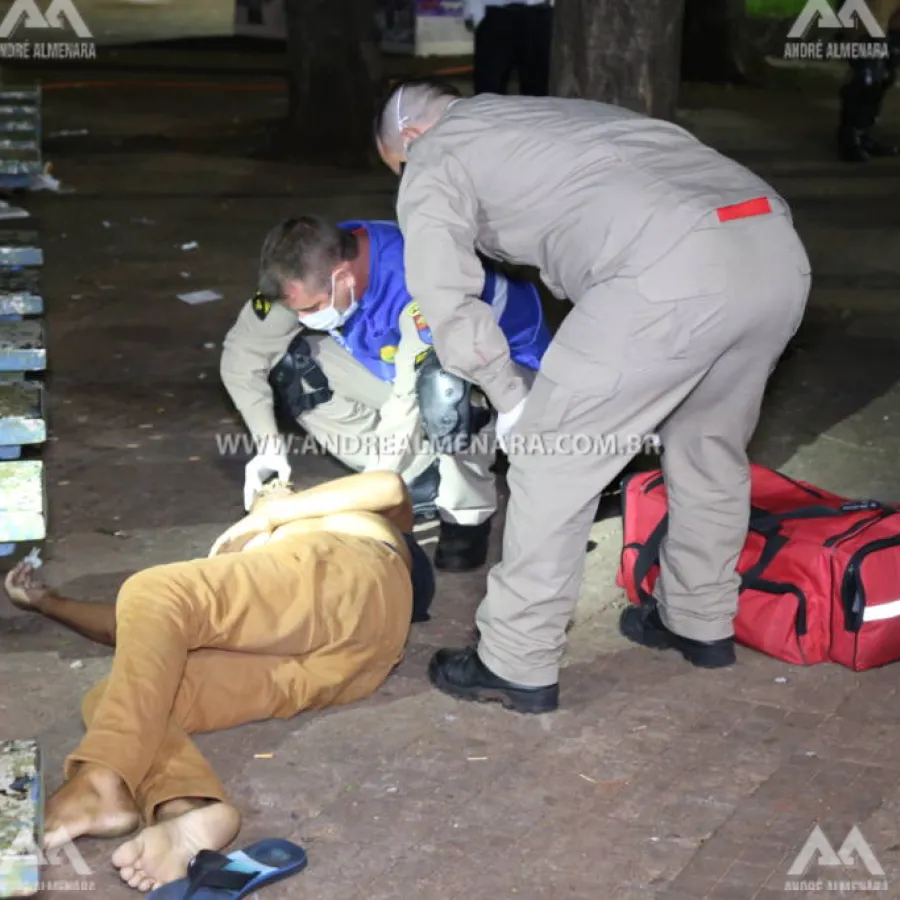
x=583, y=191
x=250, y=350
x=254, y=345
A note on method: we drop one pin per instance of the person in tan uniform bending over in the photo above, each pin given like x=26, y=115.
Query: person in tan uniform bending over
x=687, y=280
x=304, y=603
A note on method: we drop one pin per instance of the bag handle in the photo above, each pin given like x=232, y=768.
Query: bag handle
x=763, y=521
x=649, y=553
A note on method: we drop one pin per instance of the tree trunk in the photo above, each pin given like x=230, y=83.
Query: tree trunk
x=626, y=52
x=334, y=72
x=710, y=46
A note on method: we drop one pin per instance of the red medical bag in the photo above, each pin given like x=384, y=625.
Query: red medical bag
x=820, y=574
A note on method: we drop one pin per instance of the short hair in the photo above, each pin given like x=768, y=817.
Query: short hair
x=303, y=248
x=412, y=101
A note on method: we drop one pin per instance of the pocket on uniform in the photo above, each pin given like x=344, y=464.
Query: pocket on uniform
x=545, y=408
x=681, y=277
x=565, y=380
x=695, y=267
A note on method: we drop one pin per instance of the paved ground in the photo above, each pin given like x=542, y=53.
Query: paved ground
x=118, y=21
x=652, y=779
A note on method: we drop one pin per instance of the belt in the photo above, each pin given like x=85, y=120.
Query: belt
x=759, y=206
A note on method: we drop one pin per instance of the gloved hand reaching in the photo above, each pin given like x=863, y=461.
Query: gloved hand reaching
x=259, y=470
x=507, y=421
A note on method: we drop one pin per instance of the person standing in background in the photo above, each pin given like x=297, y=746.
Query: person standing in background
x=870, y=80
x=511, y=36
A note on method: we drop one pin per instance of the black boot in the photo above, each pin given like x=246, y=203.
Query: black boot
x=861, y=100
x=462, y=674
x=642, y=625
x=462, y=548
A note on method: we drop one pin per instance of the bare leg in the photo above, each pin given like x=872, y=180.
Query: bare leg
x=184, y=827
x=95, y=621
x=93, y=803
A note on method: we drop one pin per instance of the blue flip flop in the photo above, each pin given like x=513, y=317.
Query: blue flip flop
x=214, y=876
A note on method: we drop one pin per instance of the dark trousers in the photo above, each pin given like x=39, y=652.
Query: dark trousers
x=515, y=37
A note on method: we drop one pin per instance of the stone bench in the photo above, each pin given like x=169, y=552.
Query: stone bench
x=21, y=818
x=23, y=354
x=23, y=508
x=22, y=346
x=21, y=156
x=20, y=293
x=22, y=498
x=19, y=246
x=21, y=417
x=23, y=360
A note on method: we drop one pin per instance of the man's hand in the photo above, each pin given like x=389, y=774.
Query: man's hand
x=24, y=589
x=507, y=421
x=259, y=470
x=253, y=529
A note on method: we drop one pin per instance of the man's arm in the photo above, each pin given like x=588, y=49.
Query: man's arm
x=437, y=212
x=256, y=341
x=374, y=492
x=95, y=621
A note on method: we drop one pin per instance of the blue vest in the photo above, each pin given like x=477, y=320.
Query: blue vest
x=372, y=333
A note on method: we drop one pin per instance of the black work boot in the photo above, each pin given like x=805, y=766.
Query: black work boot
x=642, y=625
x=461, y=674
x=861, y=100
x=462, y=548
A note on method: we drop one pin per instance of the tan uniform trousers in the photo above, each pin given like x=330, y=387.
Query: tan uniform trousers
x=367, y=413
x=689, y=346
x=312, y=621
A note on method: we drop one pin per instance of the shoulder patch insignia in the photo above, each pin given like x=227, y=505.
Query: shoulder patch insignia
x=388, y=354
x=261, y=304
x=420, y=323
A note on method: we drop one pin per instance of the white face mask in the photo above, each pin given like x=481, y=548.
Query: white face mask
x=330, y=319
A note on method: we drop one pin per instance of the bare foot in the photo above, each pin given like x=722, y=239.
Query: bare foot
x=24, y=589
x=95, y=803
x=161, y=853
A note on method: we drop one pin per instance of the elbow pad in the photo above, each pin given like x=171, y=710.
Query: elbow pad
x=449, y=418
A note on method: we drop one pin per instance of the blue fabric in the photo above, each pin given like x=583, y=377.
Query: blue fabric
x=372, y=333
x=423, y=580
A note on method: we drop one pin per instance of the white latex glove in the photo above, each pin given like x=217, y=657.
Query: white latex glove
x=507, y=421
x=258, y=471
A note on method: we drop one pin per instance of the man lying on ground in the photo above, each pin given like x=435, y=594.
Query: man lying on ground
x=304, y=603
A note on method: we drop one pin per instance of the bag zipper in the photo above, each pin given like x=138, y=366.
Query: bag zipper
x=803, y=487
x=651, y=485
x=835, y=539
x=853, y=594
